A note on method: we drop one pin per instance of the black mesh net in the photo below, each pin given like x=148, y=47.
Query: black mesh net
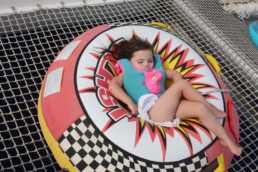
x=31, y=40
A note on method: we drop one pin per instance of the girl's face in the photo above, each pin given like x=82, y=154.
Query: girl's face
x=142, y=60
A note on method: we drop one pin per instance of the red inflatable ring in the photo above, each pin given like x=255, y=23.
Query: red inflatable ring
x=88, y=130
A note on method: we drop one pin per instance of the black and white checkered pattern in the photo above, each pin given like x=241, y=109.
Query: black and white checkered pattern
x=88, y=150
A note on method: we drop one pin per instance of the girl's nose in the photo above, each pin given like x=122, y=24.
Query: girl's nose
x=146, y=67
x=146, y=64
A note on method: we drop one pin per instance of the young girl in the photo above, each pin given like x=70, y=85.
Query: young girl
x=142, y=76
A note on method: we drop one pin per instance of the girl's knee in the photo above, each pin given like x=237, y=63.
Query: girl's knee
x=180, y=82
x=178, y=85
x=176, y=89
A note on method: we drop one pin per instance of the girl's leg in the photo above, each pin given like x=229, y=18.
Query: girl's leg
x=168, y=102
x=188, y=109
x=192, y=94
x=171, y=105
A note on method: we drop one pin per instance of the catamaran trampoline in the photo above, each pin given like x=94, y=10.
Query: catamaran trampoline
x=32, y=37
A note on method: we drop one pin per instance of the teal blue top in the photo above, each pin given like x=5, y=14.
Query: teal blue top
x=134, y=80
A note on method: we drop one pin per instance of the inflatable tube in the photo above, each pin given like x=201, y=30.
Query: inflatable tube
x=253, y=31
x=87, y=129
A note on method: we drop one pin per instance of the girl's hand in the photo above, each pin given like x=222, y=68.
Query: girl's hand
x=117, y=91
x=133, y=107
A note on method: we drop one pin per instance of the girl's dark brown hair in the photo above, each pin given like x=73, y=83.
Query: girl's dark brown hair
x=127, y=48
x=124, y=49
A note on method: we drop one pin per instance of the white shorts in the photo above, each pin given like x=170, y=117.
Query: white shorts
x=145, y=103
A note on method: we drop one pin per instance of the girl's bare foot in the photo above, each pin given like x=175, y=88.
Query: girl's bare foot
x=232, y=147
x=218, y=113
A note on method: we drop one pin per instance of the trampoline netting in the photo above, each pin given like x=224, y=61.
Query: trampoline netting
x=31, y=40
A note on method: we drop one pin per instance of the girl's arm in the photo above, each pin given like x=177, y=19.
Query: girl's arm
x=115, y=87
x=173, y=74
